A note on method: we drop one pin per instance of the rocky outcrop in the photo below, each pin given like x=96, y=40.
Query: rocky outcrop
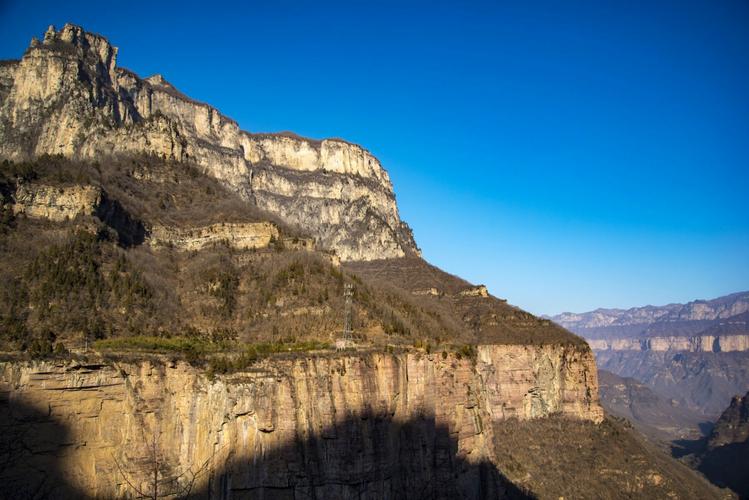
x=326, y=426
x=724, y=455
x=60, y=203
x=733, y=424
x=702, y=343
x=240, y=236
x=476, y=291
x=66, y=96
x=56, y=203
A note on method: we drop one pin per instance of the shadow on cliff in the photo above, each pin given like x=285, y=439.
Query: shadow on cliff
x=364, y=457
x=32, y=453
x=725, y=466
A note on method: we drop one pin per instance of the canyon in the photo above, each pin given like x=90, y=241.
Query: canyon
x=695, y=353
x=173, y=287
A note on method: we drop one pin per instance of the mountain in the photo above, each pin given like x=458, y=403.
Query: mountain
x=67, y=96
x=660, y=418
x=89, y=139
x=172, y=319
x=669, y=320
x=701, y=382
x=723, y=456
x=695, y=353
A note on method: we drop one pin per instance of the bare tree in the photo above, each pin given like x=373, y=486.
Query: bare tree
x=163, y=479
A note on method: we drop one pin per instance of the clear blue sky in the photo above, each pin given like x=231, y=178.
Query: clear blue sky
x=570, y=155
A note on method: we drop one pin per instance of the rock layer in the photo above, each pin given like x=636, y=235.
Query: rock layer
x=701, y=343
x=67, y=96
x=56, y=203
x=327, y=426
x=240, y=236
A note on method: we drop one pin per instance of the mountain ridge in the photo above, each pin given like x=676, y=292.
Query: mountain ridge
x=688, y=318
x=67, y=96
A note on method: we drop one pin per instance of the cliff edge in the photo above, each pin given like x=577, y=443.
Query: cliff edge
x=67, y=96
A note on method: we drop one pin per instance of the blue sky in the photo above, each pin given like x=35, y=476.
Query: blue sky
x=569, y=155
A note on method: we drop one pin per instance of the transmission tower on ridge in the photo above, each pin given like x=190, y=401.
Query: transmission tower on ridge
x=348, y=294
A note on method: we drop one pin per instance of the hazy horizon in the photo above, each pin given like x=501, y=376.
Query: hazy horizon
x=568, y=157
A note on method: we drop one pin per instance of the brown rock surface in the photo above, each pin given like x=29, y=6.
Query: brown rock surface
x=326, y=425
x=241, y=236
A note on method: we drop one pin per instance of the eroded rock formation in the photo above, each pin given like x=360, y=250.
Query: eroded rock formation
x=241, y=235
x=56, y=203
x=67, y=96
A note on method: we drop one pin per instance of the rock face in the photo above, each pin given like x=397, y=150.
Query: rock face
x=335, y=426
x=733, y=424
x=67, y=96
x=56, y=203
x=725, y=456
x=700, y=343
x=241, y=236
x=477, y=291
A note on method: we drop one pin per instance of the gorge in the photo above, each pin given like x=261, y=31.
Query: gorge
x=173, y=287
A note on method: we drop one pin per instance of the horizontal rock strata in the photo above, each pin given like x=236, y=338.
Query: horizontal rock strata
x=56, y=203
x=703, y=343
x=241, y=236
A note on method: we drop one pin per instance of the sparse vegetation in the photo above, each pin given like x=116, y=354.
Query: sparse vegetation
x=545, y=457
x=75, y=281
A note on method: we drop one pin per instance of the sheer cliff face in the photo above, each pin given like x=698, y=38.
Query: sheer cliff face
x=66, y=96
x=371, y=425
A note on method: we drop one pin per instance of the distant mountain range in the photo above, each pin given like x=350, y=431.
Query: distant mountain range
x=724, y=315
x=695, y=354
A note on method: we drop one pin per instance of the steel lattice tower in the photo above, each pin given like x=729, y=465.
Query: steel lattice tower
x=348, y=294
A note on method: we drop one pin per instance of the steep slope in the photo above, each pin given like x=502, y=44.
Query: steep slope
x=370, y=425
x=723, y=457
x=703, y=382
x=553, y=458
x=733, y=424
x=659, y=418
x=67, y=96
x=340, y=425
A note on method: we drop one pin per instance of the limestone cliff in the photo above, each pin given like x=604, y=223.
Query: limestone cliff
x=699, y=343
x=67, y=96
x=323, y=426
x=241, y=236
x=56, y=203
